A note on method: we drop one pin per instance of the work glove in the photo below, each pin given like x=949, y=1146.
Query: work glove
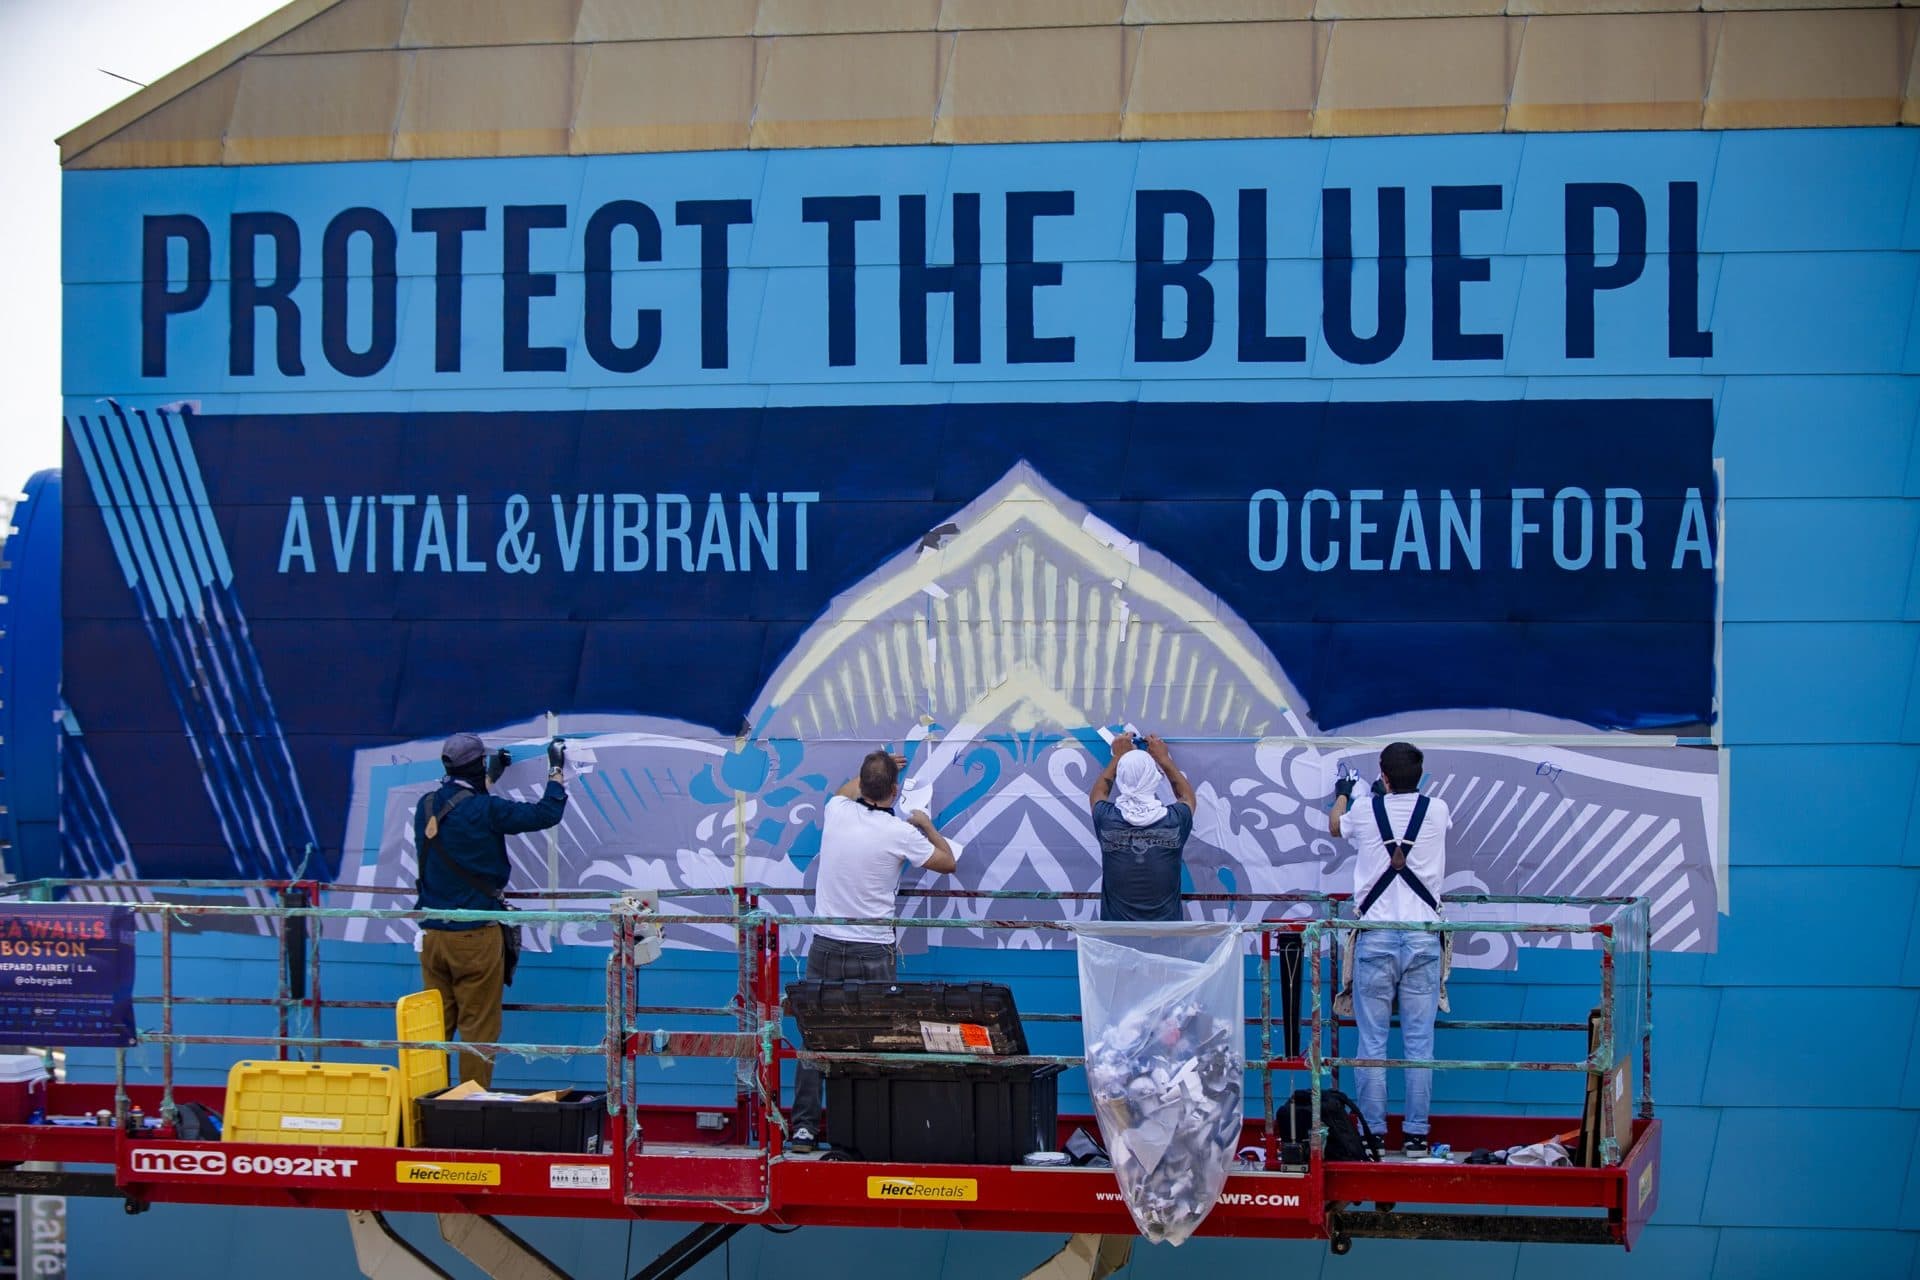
x=497, y=764
x=556, y=755
x=1344, y=787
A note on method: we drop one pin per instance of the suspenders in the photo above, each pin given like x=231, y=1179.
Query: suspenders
x=1397, y=851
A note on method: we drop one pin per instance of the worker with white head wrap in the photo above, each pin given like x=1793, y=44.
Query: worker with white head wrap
x=1141, y=834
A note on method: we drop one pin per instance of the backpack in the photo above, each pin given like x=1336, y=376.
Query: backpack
x=1348, y=1135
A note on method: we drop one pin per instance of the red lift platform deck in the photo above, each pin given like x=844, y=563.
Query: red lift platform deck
x=725, y=1166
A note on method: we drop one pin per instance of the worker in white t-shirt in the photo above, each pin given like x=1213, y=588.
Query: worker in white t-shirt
x=863, y=845
x=1400, y=842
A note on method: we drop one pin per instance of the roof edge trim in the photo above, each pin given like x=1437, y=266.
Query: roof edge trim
x=78, y=140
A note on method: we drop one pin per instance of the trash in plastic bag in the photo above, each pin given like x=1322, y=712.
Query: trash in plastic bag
x=1163, y=1008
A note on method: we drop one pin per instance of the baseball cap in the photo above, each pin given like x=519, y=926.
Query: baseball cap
x=462, y=749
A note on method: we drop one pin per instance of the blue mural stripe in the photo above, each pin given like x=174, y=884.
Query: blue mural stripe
x=154, y=481
x=161, y=442
x=176, y=423
x=141, y=507
x=144, y=482
x=595, y=797
x=115, y=499
x=103, y=500
x=608, y=783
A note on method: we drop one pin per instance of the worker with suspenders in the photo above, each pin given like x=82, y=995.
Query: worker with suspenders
x=1400, y=845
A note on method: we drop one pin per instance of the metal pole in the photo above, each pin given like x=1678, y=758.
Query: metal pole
x=167, y=1112
x=1319, y=1134
x=1266, y=1046
x=120, y=1088
x=1646, y=1031
x=746, y=993
x=611, y=1022
x=630, y=1066
x=285, y=990
x=313, y=969
x=1609, y=1146
x=770, y=1037
x=553, y=844
x=1332, y=1029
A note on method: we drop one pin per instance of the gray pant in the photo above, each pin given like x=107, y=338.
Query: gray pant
x=830, y=960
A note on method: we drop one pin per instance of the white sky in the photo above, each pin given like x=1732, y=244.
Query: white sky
x=50, y=55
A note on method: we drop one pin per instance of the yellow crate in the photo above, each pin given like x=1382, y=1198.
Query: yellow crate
x=318, y=1104
x=419, y=1016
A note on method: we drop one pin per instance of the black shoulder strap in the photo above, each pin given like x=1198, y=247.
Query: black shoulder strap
x=432, y=843
x=1397, y=853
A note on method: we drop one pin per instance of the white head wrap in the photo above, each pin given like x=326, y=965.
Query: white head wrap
x=1135, y=785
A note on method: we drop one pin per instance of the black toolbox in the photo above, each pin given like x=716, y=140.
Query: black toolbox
x=943, y=1112
x=569, y=1126
x=907, y=1017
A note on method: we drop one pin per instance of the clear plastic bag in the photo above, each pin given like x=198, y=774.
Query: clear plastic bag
x=1163, y=1009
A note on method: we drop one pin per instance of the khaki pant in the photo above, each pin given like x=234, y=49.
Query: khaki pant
x=468, y=968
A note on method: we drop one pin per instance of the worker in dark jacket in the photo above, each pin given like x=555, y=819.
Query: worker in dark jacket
x=460, y=834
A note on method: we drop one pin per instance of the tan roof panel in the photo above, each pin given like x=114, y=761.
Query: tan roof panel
x=831, y=17
x=184, y=131
x=441, y=24
x=1723, y=5
x=848, y=90
x=347, y=27
x=458, y=102
x=1224, y=80
x=1528, y=7
x=1330, y=9
x=1810, y=68
x=1417, y=75
x=1148, y=11
x=555, y=77
x=980, y=15
x=1038, y=85
x=202, y=70
x=316, y=106
x=661, y=95
x=1613, y=71
x=683, y=20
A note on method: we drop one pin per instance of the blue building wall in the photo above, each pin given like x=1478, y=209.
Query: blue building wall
x=1787, y=1073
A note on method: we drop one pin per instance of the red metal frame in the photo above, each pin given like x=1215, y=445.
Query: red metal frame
x=684, y=1173
x=665, y=1163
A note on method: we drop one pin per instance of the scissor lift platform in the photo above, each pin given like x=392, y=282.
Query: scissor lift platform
x=723, y=1168
x=688, y=1175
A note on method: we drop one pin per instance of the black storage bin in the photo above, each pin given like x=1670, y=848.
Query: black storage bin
x=569, y=1126
x=963, y=1113
x=907, y=1017
x=980, y=1112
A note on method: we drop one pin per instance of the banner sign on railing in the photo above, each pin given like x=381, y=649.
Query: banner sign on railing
x=66, y=975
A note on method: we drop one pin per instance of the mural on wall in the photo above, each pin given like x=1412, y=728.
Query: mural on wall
x=868, y=499
x=993, y=653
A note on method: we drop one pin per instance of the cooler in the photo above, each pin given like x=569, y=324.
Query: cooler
x=23, y=1088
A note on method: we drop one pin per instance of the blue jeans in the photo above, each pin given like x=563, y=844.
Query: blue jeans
x=1386, y=963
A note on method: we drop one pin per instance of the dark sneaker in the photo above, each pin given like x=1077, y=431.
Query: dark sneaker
x=1376, y=1145
x=802, y=1142
x=1415, y=1146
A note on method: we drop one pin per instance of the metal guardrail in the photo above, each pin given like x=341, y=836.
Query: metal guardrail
x=758, y=1045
